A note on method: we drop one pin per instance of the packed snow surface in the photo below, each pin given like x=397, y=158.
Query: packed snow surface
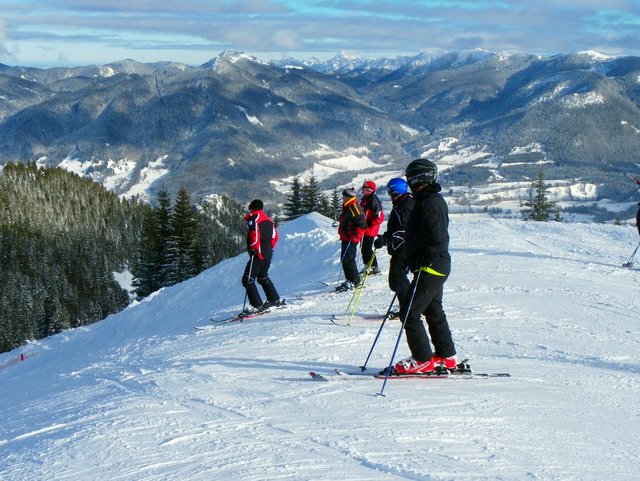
x=142, y=395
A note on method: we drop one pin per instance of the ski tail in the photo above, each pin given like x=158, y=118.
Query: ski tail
x=317, y=377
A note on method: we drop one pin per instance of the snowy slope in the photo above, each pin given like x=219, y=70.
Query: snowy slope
x=143, y=396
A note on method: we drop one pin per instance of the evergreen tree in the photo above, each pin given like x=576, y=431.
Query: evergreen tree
x=324, y=206
x=293, y=206
x=311, y=195
x=336, y=204
x=181, y=241
x=163, y=229
x=145, y=266
x=306, y=198
x=539, y=207
x=185, y=246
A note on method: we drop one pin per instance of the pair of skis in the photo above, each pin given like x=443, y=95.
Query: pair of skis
x=462, y=371
x=243, y=316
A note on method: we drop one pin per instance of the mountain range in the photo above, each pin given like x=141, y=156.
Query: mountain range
x=242, y=127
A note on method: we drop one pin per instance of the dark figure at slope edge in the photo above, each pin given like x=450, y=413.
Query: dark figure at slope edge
x=262, y=237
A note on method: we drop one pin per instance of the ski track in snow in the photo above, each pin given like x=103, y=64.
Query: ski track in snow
x=141, y=396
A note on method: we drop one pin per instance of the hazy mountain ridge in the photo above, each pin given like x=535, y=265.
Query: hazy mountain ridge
x=234, y=123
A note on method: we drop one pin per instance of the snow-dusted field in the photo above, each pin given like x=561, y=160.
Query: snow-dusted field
x=142, y=396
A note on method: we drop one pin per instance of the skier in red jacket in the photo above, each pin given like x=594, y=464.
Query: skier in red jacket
x=262, y=237
x=373, y=215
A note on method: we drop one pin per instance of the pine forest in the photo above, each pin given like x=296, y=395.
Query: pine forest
x=62, y=238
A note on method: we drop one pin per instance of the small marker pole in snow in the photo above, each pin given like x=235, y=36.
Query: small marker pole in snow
x=404, y=321
x=629, y=263
x=386, y=316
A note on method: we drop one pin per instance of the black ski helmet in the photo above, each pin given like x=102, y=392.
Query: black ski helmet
x=421, y=171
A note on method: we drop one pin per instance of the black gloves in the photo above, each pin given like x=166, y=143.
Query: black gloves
x=416, y=263
x=379, y=242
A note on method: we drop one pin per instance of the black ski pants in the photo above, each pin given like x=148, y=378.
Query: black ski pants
x=367, y=251
x=257, y=270
x=427, y=300
x=348, y=258
x=398, y=281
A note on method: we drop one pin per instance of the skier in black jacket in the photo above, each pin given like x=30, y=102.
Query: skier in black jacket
x=350, y=229
x=395, y=236
x=428, y=258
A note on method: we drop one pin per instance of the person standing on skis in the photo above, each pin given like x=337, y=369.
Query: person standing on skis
x=373, y=214
x=428, y=258
x=395, y=237
x=262, y=237
x=351, y=227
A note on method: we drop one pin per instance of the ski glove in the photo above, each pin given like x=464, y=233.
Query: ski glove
x=379, y=242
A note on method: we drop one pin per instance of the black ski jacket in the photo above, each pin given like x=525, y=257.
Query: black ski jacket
x=396, y=233
x=428, y=232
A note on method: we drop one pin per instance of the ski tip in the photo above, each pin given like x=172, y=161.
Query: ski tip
x=317, y=377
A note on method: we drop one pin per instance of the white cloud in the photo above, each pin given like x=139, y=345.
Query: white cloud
x=288, y=39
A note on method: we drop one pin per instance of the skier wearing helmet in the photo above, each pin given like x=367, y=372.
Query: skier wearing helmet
x=395, y=237
x=428, y=258
x=373, y=214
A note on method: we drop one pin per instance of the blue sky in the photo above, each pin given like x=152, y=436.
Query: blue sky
x=48, y=33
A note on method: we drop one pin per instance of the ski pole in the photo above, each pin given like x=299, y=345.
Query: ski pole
x=360, y=288
x=244, y=302
x=629, y=263
x=404, y=321
x=384, y=319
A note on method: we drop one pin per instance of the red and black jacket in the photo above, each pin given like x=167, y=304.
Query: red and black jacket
x=262, y=235
x=351, y=221
x=373, y=214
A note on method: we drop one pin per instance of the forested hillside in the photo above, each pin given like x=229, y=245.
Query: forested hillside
x=62, y=237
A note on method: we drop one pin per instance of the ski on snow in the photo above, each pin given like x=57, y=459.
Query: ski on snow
x=463, y=371
x=239, y=317
x=228, y=320
x=352, y=376
x=345, y=319
x=341, y=375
